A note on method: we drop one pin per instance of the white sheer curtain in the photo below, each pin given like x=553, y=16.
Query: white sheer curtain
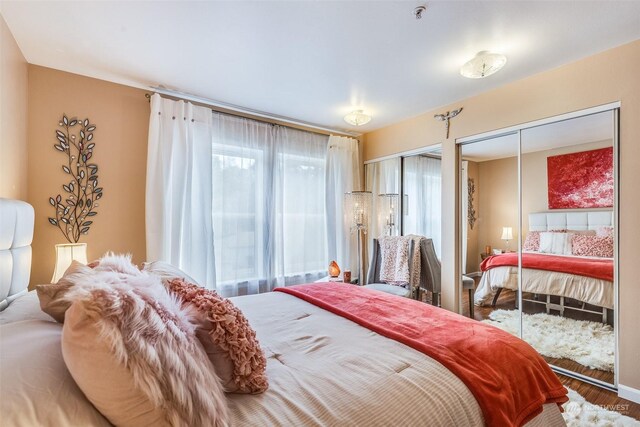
x=342, y=175
x=178, y=202
x=259, y=187
x=423, y=198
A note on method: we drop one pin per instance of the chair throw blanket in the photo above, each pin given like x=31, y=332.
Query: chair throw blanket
x=395, y=268
x=507, y=377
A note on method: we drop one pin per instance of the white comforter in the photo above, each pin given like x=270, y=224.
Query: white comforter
x=587, y=289
x=323, y=370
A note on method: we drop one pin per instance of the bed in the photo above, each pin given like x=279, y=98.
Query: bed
x=323, y=369
x=587, y=280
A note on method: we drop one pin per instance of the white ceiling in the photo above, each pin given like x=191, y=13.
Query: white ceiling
x=315, y=60
x=581, y=130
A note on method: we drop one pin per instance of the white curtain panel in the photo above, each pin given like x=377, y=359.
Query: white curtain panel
x=179, y=194
x=343, y=174
x=423, y=198
x=236, y=203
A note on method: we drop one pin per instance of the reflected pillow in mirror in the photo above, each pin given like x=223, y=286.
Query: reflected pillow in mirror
x=532, y=242
x=556, y=243
x=595, y=246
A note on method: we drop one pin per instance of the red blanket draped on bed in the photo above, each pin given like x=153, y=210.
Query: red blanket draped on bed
x=507, y=377
x=589, y=267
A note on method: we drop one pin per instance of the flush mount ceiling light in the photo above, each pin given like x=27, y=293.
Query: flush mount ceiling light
x=483, y=65
x=357, y=118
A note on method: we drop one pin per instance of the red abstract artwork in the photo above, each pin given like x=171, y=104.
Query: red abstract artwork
x=581, y=180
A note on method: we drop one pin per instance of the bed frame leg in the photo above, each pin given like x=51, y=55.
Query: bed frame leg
x=495, y=298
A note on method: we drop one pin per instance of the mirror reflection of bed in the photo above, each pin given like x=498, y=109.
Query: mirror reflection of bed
x=562, y=231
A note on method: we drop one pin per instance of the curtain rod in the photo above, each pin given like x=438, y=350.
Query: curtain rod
x=224, y=107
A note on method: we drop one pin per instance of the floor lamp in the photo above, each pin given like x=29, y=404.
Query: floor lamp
x=358, y=208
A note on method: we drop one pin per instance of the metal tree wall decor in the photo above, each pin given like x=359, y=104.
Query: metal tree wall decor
x=471, y=212
x=74, y=211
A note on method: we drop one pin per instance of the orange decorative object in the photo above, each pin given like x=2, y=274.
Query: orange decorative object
x=334, y=270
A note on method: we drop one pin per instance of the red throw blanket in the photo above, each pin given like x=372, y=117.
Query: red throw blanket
x=507, y=377
x=589, y=267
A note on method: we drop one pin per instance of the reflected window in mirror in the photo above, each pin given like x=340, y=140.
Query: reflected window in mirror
x=422, y=198
x=382, y=179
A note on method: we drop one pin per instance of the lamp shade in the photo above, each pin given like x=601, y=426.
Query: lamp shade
x=357, y=118
x=483, y=65
x=358, y=208
x=65, y=253
x=507, y=233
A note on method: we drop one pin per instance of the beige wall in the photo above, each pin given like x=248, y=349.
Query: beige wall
x=121, y=115
x=498, y=202
x=13, y=117
x=603, y=78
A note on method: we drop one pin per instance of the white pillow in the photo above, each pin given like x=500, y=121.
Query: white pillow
x=556, y=243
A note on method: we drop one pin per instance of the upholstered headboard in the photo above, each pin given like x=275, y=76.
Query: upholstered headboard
x=583, y=220
x=16, y=234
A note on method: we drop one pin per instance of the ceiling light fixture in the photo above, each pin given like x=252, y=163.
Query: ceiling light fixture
x=357, y=118
x=483, y=65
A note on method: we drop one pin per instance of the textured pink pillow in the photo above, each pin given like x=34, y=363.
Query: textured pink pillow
x=596, y=246
x=605, y=232
x=532, y=242
x=132, y=350
x=227, y=337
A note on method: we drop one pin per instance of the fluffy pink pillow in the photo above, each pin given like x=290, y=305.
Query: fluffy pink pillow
x=596, y=246
x=132, y=350
x=227, y=337
x=532, y=242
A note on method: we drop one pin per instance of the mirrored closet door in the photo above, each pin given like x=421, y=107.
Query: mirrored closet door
x=489, y=226
x=542, y=199
x=567, y=190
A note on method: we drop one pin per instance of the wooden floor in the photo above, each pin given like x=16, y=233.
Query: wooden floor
x=592, y=394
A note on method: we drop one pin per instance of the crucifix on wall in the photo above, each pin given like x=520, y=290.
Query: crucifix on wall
x=446, y=117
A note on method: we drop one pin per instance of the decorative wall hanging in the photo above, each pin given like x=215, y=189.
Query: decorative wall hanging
x=471, y=212
x=74, y=215
x=446, y=117
x=581, y=180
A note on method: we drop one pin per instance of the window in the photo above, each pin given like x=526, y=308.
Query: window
x=268, y=206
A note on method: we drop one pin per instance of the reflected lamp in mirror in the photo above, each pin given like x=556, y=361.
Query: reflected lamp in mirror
x=507, y=234
x=389, y=212
x=65, y=253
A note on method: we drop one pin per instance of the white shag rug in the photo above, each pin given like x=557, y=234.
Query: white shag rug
x=590, y=344
x=580, y=413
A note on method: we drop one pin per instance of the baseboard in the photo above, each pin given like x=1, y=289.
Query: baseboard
x=474, y=274
x=629, y=393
